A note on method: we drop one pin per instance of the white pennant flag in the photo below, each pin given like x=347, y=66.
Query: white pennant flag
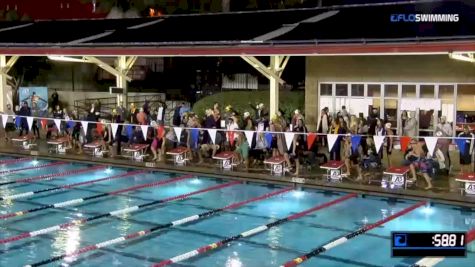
x=57, y=122
x=4, y=120
x=144, y=131
x=29, y=120
x=114, y=127
x=83, y=123
x=331, y=140
x=249, y=136
x=431, y=142
x=212, y=135
x=289, y=138
x=177, y=133
x=378, y=142
x=160, y=114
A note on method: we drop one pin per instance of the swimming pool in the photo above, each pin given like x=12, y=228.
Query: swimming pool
x=90, y=204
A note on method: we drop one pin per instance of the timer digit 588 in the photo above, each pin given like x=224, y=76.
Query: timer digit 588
x=422, y=244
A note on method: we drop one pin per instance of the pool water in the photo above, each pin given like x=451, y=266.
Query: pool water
x=273, y=247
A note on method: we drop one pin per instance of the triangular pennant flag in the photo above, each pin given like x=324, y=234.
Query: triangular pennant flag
x=212, y=135
x=249, y=136
x=18, y=122
x=194, y=137
x=57, y=122
x=99, y=128
x=431, y=142
x=289, y=138
x=114, y=127
x=177, y=133
x=44, y=123
x=461, y=143
x=331, y=141
x=130, y=131
x=355, y=142
x=4, y=120
x=70, y=124
x=161, y=131
x=378, y=142
x=404, y=142
x=84, y=125
x=311, y=137
x=29, y=121
x=269, y=140
x=231, y=137
x=144, y=131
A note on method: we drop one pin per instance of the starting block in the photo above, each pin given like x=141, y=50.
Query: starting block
x=226, y=159
x=59, y=144
x=137, y=151
x=277, y=165
x=25, y=141
x=395, y=177
x=333, y=168
x=96, y=148
x=469, y=180
x=179, y=155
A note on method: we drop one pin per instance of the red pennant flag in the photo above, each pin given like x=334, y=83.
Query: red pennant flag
x=311, y=137
x=404, y=142
x=99, y=128
x=231, y=138
x=161, y=131
x=44, y=123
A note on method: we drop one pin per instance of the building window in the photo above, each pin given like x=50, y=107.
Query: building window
x=357, y=90
x=374, y=90
x=409, y=90
x=427, y=91
x=391, y=90
x=341, y=89
x=326, y=89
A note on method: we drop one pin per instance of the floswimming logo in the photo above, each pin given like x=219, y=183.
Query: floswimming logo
x=418, y=18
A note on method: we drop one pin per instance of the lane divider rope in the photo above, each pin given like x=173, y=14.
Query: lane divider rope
x=116, y=213
x=69, y=186
x=81, y=200
x=33, y=167
x=248, y=233
x=8, y=161
x=52, y=176
x=432, y=261
x=131, y=209
x=349, y=236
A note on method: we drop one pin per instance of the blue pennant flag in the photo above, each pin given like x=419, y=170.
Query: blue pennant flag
x=130, y=132
x=18, y=122
x=461, y=144
x=70, y=124
x=269, y=140
x=194, y=137
x=355, y=142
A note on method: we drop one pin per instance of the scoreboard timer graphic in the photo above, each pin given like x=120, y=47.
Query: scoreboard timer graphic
x=423, y=244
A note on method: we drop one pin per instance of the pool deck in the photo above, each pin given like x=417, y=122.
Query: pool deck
x=445, y=190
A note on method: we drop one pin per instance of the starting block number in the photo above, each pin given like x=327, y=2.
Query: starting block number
x=34, y=153
x=179, y=159
x=97, y=152
x=335, y=174
x=277, y=169
x=227, y=164
x=470, y=188
x=397, y=180
x=61, y=149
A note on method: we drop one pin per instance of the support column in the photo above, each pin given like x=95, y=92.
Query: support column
x=3, y=84
x=274, y=86
x=121, y=81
